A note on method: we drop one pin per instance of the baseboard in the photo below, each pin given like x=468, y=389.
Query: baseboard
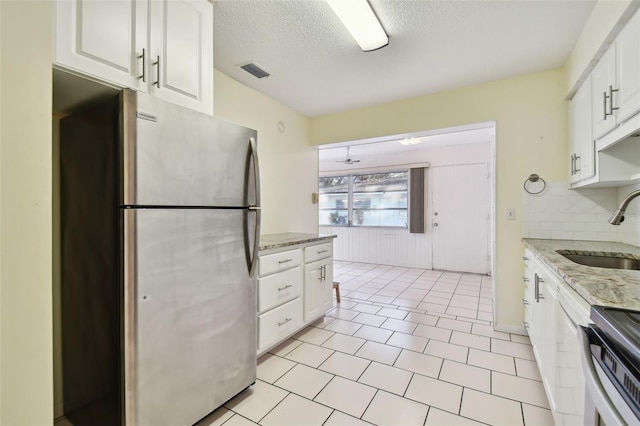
x=514, y=329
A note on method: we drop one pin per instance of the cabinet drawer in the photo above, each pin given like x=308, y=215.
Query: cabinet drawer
x=319, y=251
x=276, y=262
x=279, y=288
x=280, y=322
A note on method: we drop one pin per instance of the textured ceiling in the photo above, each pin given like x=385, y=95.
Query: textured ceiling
x=392, y=152
x=317, y=68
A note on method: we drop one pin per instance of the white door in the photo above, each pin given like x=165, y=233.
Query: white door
x=461, y=218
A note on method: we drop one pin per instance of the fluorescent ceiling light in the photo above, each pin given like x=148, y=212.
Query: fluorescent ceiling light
x=361, y=22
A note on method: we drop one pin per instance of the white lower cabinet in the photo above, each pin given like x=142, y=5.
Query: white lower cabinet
x=553, y=312
x=276, y=289
x=527, y=299
x=568, y=376
x=318, y=288
x=279, y=323
x=295, y=288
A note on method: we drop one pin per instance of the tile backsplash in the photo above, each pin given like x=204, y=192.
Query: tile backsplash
x=574, y=214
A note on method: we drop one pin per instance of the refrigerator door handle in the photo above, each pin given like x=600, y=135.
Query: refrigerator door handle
x=256, y=208
x=256, y=240
x=256, y=169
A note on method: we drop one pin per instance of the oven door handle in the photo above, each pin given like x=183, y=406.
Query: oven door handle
x=595, y=393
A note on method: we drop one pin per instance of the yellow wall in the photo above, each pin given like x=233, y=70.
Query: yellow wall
x=288, y=164
x=531, y=137
x=26, y=378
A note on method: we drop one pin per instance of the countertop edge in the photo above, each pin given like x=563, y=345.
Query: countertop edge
x=286, y=239
x=598, y=286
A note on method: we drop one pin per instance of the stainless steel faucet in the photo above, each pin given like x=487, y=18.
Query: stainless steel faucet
x=618, y=216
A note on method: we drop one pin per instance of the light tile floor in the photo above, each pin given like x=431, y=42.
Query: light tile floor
x=405, y=347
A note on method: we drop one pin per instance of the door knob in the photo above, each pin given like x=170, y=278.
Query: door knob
x=435, y=213
x=435, y=224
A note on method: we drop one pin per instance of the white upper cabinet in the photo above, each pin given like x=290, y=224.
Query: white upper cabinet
x=628, y=69
x=615, y=81
x=181, y=46
x=603, y=85
x=164, y=47
x=103, y=39
x=582, y=146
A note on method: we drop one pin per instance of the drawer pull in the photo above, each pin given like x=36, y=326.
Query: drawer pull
x=525, y=258
x=286, y=320
x=526, y=324
x=285, y=287
x=525, y=279
x=525, y=302
x=536, y=290
x=285, y=261
x=322, y=251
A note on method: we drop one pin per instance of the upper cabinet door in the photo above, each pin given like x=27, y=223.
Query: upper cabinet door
x=103, y=39
x=628, y=69
x=181, y=47
x=602, y=84
x=582, y=149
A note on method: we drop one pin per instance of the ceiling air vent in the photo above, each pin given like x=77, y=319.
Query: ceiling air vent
x=255, y=70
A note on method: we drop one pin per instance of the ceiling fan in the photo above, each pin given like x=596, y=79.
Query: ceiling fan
x=348, y=160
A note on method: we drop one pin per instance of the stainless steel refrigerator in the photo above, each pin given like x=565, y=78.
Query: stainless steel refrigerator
x=160, y=223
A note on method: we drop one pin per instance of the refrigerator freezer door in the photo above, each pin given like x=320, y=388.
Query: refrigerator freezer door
x=174, y=156
x=192, y=310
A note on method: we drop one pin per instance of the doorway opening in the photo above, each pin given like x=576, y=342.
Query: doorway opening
x=459, y=199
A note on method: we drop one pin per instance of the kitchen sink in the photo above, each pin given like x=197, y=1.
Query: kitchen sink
x=602, y=260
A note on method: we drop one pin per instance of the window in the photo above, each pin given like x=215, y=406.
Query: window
x=368, y=199
x=334, y=200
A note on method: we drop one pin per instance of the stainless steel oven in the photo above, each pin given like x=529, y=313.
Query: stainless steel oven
x=611, y=364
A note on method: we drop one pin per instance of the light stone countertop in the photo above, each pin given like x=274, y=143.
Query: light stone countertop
x=273, y=241
x=598, y=286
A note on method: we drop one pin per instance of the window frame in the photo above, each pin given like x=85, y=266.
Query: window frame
x=350, y=204
x=349, y=200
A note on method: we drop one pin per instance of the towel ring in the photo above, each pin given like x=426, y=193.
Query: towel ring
x=534, y=178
